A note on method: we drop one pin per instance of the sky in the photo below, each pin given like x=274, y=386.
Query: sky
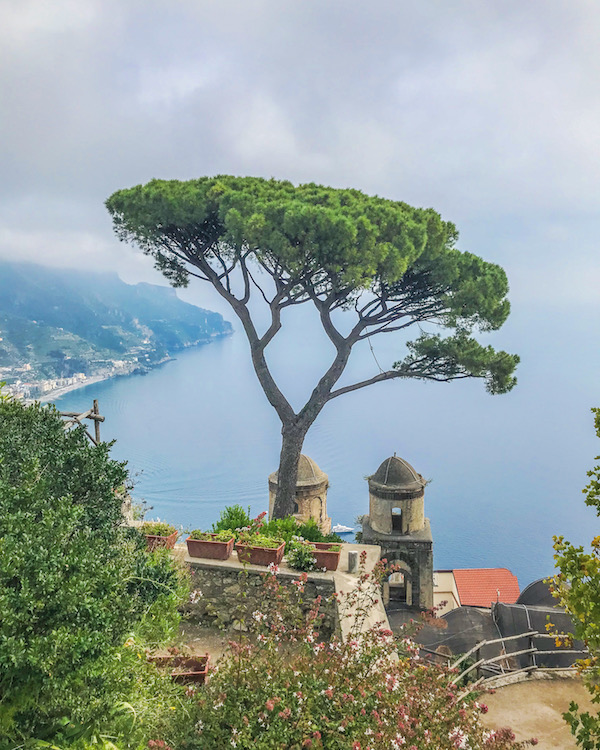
x=488, y=112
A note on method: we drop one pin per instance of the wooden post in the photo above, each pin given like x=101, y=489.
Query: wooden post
x=530, y=645
x=96, y=421
x=477, y=658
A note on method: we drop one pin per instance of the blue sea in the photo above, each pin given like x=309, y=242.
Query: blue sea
x=505, y=472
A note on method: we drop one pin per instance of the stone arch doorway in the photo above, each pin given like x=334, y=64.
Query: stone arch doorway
x=400, y=584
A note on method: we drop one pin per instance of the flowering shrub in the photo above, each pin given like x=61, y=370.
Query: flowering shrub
x=282, y=687
x=300, y=555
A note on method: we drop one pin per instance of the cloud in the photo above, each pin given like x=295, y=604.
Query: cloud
x=488, y=113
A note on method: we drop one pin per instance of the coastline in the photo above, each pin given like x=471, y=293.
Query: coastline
x=93, y=379
x=52, y=395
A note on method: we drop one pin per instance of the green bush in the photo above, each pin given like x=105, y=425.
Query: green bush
x=232, y=517
x=157, y=528
x=74, y=583
x=211, y=536
x=71, y=466
x=300, y=555
x=288, y=527
x=259, y=540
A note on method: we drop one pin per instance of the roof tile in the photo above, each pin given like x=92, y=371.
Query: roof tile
x=479, y=587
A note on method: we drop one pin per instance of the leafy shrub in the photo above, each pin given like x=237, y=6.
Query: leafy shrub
x=157, y=528
x=259, y=540
x=310, y=530
x=210, y=536
x=284, y=528
x=71, y=465
x=300, y=555
x=74, y=583
x=288, y=527
x=232, y=517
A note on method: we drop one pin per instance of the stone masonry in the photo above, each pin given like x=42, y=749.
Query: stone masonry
x=229, y=592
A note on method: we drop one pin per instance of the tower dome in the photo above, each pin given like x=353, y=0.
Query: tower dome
x=311, y=493
x=309, y=473
x=397, y=474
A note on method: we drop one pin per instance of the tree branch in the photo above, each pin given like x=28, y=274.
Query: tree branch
x=392, y=374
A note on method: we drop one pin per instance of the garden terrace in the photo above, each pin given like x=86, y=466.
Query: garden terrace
x=231, y=591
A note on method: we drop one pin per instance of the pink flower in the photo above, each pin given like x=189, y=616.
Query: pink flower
x=270, y=705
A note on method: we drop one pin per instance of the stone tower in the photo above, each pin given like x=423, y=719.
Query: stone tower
x=397, y=523
x=311, y=494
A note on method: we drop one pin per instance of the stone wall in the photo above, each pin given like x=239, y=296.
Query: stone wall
x=229, y=592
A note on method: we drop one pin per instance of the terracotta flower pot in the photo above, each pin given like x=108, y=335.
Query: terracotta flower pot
x=326, y=557
x=154, y=541
x=209, y=549
x=183, y=668
x=260, y=555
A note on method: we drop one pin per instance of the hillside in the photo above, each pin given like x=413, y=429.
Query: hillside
x=55, y=323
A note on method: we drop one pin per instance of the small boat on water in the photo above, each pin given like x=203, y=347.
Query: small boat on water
x=341, y=529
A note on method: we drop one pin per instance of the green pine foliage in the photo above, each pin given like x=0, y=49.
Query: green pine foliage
x=387, y=265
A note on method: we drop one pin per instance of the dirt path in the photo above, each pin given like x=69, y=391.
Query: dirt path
x=202, y=640
x=534, y=709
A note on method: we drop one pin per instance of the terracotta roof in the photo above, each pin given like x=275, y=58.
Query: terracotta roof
x=479, y=587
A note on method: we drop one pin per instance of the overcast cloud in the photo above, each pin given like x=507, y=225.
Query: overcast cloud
x=489, y=112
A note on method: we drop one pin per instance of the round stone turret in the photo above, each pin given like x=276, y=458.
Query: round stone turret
x=397, y=523
x=396, y=498
x=311, y=493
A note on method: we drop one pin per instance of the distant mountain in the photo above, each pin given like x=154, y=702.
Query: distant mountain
x=57, y=322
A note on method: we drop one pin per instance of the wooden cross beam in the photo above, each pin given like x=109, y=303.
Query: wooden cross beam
x=74, y=417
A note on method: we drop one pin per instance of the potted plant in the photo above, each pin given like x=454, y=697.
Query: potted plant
x=159, y=534
x=212, y=546
x=259, y=550
x=300, y=554
x=184, y=668
x=327, y=555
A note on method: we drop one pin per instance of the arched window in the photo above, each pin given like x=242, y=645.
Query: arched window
x=400, y=584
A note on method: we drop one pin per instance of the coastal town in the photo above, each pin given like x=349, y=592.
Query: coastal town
x=22, y=383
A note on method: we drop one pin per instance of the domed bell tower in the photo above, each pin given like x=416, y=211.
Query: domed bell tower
x=397, y=523
x=311, y=494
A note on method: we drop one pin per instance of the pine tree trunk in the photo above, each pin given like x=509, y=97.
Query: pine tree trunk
x=291, y=449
